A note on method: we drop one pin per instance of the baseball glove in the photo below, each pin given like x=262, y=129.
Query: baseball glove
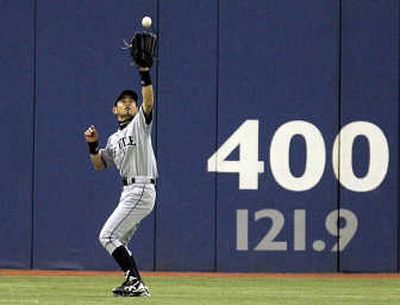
x=143, y=49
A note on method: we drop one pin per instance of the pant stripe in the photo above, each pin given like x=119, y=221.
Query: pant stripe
x=126, y=216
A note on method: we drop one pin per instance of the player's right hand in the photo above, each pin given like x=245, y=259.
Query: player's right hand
x=91, y=134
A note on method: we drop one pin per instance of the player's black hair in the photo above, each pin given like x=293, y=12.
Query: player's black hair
x=129, y=93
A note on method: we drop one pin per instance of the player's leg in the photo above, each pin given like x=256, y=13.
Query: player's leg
x=135, y=204
x=112, y=238
x=133, y=284
x=109, y=238
x=125, y=241
x=145, y=208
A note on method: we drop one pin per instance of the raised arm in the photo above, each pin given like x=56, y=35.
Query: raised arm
x=143, y=49
x=147, y=89
x=92, y=138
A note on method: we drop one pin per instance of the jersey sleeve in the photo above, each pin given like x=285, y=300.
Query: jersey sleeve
x=144, y=121
x=107, y=155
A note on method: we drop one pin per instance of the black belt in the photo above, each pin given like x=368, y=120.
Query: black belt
x=129, y=181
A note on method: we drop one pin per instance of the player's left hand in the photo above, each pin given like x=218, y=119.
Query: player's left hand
x=143, y=49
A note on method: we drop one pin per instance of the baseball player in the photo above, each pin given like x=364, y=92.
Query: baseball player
x=130, y=150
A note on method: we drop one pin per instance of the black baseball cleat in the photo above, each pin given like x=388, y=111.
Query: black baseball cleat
x=131, y=287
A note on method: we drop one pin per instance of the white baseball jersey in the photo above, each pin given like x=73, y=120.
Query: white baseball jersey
x=131, y=150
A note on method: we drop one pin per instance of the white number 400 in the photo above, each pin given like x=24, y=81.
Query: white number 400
x=249, y=166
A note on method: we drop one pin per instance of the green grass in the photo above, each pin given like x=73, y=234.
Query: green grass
x=87, y=290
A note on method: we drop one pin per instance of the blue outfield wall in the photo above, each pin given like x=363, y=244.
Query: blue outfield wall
x=80, y=72
x=288, y=76
x=186, y=114
x=370, y=92
x=16, y=119
x=276, y=134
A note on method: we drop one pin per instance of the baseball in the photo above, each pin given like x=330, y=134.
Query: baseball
x=146, y=22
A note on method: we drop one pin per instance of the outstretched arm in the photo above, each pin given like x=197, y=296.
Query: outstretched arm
x=147, y=90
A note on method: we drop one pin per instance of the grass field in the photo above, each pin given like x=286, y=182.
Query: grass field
x=86, y=290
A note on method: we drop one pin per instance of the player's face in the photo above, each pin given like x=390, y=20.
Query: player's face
x=125, y=108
